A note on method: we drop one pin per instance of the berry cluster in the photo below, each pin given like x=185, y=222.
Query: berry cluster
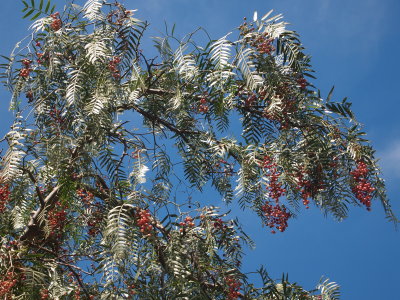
x=219, y=224
x=86, y=196
x=4, y=196
x=302, y=82
x=263, y=44
x=287, y=106
x=77, y=294
x=187, y=223
x=275, y=187
x=56, y=23
x=233, y=288
x=304, y=186
x=57, y=217
x=249, y=101
x=40, y=57
x=6, y=284
x=120, y=14
x=113, y=67
x=203, y=107
x=95, y=219
x=362, y=188
x=309, y=183
x=24, y=72
x=44, y=294
x=276, y=215
x=55, y=114
x=96, y=215
x=144, y=221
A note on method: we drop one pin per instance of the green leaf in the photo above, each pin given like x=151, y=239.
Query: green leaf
x=47, y=6
x=41, y=5
x=24, y=2
x=28, y=14
x=5, y=57
x=33, y=3
x=330, y=94
x=36, y=16
x=53, y=8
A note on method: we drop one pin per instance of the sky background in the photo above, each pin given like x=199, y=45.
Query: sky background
x=354, y=45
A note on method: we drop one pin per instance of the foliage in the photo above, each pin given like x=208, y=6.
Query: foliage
x=90, y=205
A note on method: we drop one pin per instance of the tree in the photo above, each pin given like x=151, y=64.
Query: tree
x=105, y=136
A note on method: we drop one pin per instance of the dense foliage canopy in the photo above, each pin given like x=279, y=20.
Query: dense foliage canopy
x=105, y=138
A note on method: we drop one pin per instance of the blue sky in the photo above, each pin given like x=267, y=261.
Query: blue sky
x=354, y=46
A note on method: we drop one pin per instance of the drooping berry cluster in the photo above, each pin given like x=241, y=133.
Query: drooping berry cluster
x=7, y=283
x=57, y=217
x=58, y=120
x=119, y=15
x=86, y=196
x=362, y=188
x=302, y=82
x=203, y=107
x=41, y=57
x=4, y=196
x=144, y=221
x=186, y=224
x=263, y=44
x=274, y=186
x=233, y=288
x=113, y=67
x=219, y=223
x=56, y=23
x=25, y=71
x=304, y=186
x=288, y=106
x=44, y=294
x=310, y=182
x=95, y=217
x=275, y=214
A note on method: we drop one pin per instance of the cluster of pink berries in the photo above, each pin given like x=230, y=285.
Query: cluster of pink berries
x=25, y=71
x=7, y=283
x=120, y=14
x=144, y=221
x=86, y=196
x=187, y=223
x=302, y=82
x=274, y=187
x=304, y=186
x=44, y=294
x=55, y=114
x=362, y=189
x=276, y=215
x=263, y=44
x=57, y=217
x=233, y=288
x=249, y=101
x=219, y=224
x=56, y=23
x=4, y=196
x=203, y=107
x=113, y=67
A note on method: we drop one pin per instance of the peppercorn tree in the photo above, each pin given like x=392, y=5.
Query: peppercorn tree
x=105, y=138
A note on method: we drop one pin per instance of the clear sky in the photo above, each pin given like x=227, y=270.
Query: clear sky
x=354, y=45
